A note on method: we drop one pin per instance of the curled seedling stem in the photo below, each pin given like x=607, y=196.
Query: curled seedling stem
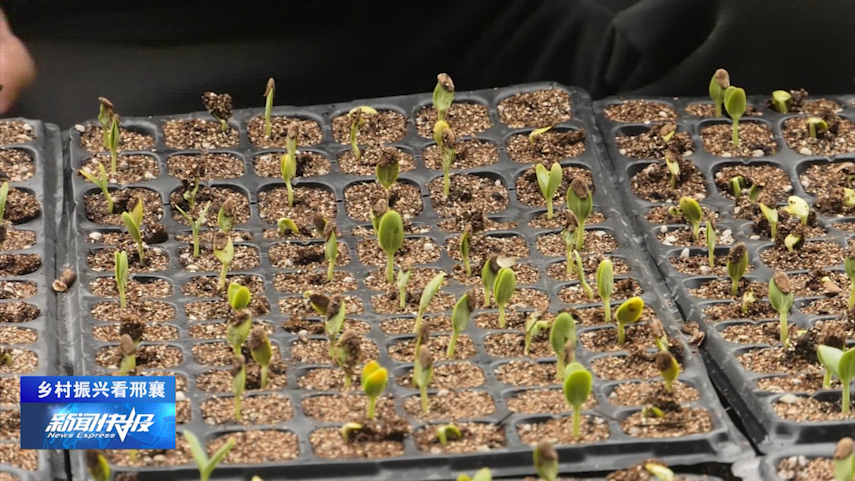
x=430, y=291
x=735, y=104
x=133, y=223
x=195, y=225
x=581, y=203
x=357, y=119
x=628, y=313
x=659, y=471
x=102, y=181
x=842, y=365
x=798, y=207
x=580, y=273
x=791, y=241
x=781, y=296
x=460, y=316
x=348, y=428
x=771, y=215
x=374, y=378
x=737, y=264
x=605, y=286
x=711, y=238
x=285, y=224
x=443, y=95
x=348, y=353
x=105, y=118
x=206, y=466
x=390, y=236
x=422, y=374
x=224, y=251
x=261, y=352
x=121, y=267
x=673, y=165
x=577, y=388
x=288, y=169
x=446, y=433
x=718, y=84
x=269, y=91
x=668, y=369
x=549, y=181
x=781, y=101
x=693, y=214
x=533, y=136
x=747, y=299
x=404, y=274
x=816, y=126
x=563, y=331
x=533, y=327
x=503, y=290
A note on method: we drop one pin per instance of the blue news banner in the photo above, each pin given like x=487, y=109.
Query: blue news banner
x=98, y=412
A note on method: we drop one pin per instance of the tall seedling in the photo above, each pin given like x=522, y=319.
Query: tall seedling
x=581, y=203
x=133, y=223
x=548, y=181
x=390, y=236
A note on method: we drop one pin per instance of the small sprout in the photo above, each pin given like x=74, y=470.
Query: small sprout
x=374, y=378
x=771, y=216
x=227, y=215
x=261, y=351
x=357, y=119
x=693, y=214
x=781, y=101
x=482, y=475
x=791, y=240
x=404, y=274
x=829, y=287
x=568, y=234
x=269, y=91
x=190, y=194
x=285, y=224
x=660, y=338
x=348, y=352
x=747, y=299
x=224, y=251
x=460, y=318
x=798, y=207
x=336, y=311
x=532, y=137
x=195, y=225
x=206, y=466
x=129, y=355
x=577, y=388
x=844, y=460
x=378, y=210
x=673, y=164
x=320, y=302
x=533, y=327
x=445, y=140
x=288, y=168
x=97, y=465
x=430, y=291
x=781, y=296
x=488, y=277
x=651, y=411
x=719, y=83
x=849, y=266
x=581, y=203
x=660, y=471
x=330, y=248
x=711, y=238
x=5, y=357
x=422, y=374
x=628, y=313
x=549, y=181
x=667, y=131
x=390, y=236
x=443, y=95
x=668, y=368
x=735, y=104
x=580, y=273
x=114, y=143
x=105, y=118
x=546, y=461
x=605, y=286
x=121, y=275
x=754, y=193
x=238, y=373
x=422, y=337
x=133, y=223
x=447, y=432
x=387, y=168
x=503, y=290
x=737, y=264
x=291, y=135
x=348, y=428
x=736, y=184
x=65, y=281
x=563, y=331
x=465, y=241
x=220, y=107
x=816, y=126
x=842, y=366
x=102, y=181
x=674, y=211
x=240, y=323
x=848, y=197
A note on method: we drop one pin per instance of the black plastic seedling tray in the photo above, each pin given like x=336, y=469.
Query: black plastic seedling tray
x=752, y=405
x=769, y=468
x=45, y=150
x=722, y=444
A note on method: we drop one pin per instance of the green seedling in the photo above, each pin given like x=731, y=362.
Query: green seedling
x=129, y=355
x=445, y=140
x=446, y=433
x=5, y=357
x=503, y=290
x=563, y=331
x=711, y=238
x=482, y=475
x=781, y=296
x=605, y=286
x=335, y=317
x=747, y=299
x=430, y=291
x=404, y=274
x=568, y=235
x=465, y=244
x=460, y=316
x=226, y=216
x=238, y=373
x=781, y=101
x=190, y=194
x=291, y=134
x=844, y=460
x=849, y=266
x=673, y=165
x=533, y=327
x=102, y=181
x=422, y=374
x=718, y=84
x=220, y=107
x=579, y=267
x=378, y=210
x=651, y=411
x=798, y=207
x=771, y=215
x=269, y=91
x=114, y=143
x=390, y=236
x=330, y=248
x=240, y=321
x=790, y=241
x=488, y=277
x=693, y=214
x=206, y=466
x=660, y=471
x=443, y=95
x=549, y=181
x=546, y=461
x=754, y=193
x=387, y=168
x=105, y=118
x=224, y=251
x=533, y=136
x=667, y=131
x=668, y=369
x=660, y=338
x=737, y=264
x=121, y=275
x=288, y=169
x=357, y=120
x=628, y=313
x=348, y=353
x=285, y=224
x=374, y=378
x=848, y=197
x=320, y=302
x=577, y=388
x=581, y=203
x=735, y=104
x=842, y=366
x=816, y=126
x=133, y=223
x=195, y=225
x=97, y=465
x=736, y=184
x=347, y=429
x=261, y=352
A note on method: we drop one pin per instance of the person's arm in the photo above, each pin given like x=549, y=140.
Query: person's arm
x=17, y=69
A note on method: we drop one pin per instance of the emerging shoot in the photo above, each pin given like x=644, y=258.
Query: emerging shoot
x=445, y=138
x=378, y=210
x=460, y=318
x=488, y=277
x=781, y=101
x=374, y=378
x=548, y=181
x=747, y=299
x=668, y=368
x=484, y=474
x=226, y=216
x=224, y=251
x=105, y=118
x=673, y=164
x=357, y=119
x=447, y=432
x=195, y=225
x=348, y=428
x=849, y=266
x=261, y=352
x=569, y=237
x=581, y=203
x=628, y=313
x=387, y=168
x=798, y=207
x=546, y=461
x=736, y=184
x=348, y=352
x=330, y=248
x=503, y=290
x=238, y=373
x=737, y=264
x=842, y=366
x=390, y=236
x=422, y=374
x=771, y=215
x=605, y=286
x=816, y=126
x=443, y=95
x=532, y=137
x=190, y=194
x=133, y=223
x=719, y=83
x=102, y=181
x=692, y=212
x=288, y=169
x=430, y=291
x=128, y=349
x=660, y=471
x=790, y=241
x=114, y=143
x=711, y=238
x=563, y=332
x=121, y=267
x=269, y=91
x=220, y=107
x=465, y=244
x=844, y=460
x=660, y=338
x=285, y=224
x=533, y=327
x=735, y=104
x=404, y=274
x=577, y=387
x=206, y=466
x=240, y=321
x=335, y=317
x=781, y=296
x=580, y=273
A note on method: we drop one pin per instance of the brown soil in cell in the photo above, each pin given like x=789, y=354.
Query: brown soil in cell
x=458, y=223
x=515, y=319
x=773, y=360
x=644, y=393
x=482, y=247
x=650, y=145
x=468, y=153
x=535, y=109
x=809, y=382
x=104, y=260
x=638, y=337
x=217, y=196
x=300, y=306
x=809, y=410
x=257, y=447
x=636, y=365
x=831, y=202
x=346, y=407
x=17, y=290
x=730, y=311
x=813, y=254
x=639, y=111
x=559, y=219
x=451, y=406
x=16, y=165
x=385, y=126
x=349, y=164
x=799, y=468
x=151, y=333
x=468, y=193
x=129, y=168
x=754, y=137
x=302, y=281
x=295, y=325
x=528, y=190
x=526, y=274
x=708, y=111
x=208, y=310
x=16, y=132
x=10, y=391
x=148, y=357
x=787, y=224
x=594, y=316
x=722, y=289
x=152, y=234
x=832, y=306
x=404, y=350
x=684, y=237
x=310, y=256
x=325, y=379
x=317, y=351
x=13, y=455
x=10, y=424
x=123, y=200
x=153, y=457
x=811, y=284
x=464, y=118
x=21, y=206
x=409, y=229
x=23, y=362
x=560, y=431
x=549, y=147
x=374, y=440
x=523, y=298
x=308, y=132
x=801, y=105
x=205, y=166
x=660, y=215
x=134, y=289
x=774, y=181
x=404, y=198
x=17, y=336
x=423, y=250
x=823, y=177
x=308, y=202
x=206, y=286
x=405, y=325
x=255, y=410
x=92, y=141
x=653, y=183
x=246, y=258
x=513, y=345
x=19, y=264
x=18, y=311
x=685, y=422
x=220, y=381
x=474, y=437
x=147, y=310
x=449, y=375
x=309, y=164
x=623, y=289
x=15, y=240
x=699, y=265
x=527, y=373
x=198, y=134
x=596, y=242
x=838, y=139
x=218, y=330
x=419, y=279
x=222, y=354
x=539, y=401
